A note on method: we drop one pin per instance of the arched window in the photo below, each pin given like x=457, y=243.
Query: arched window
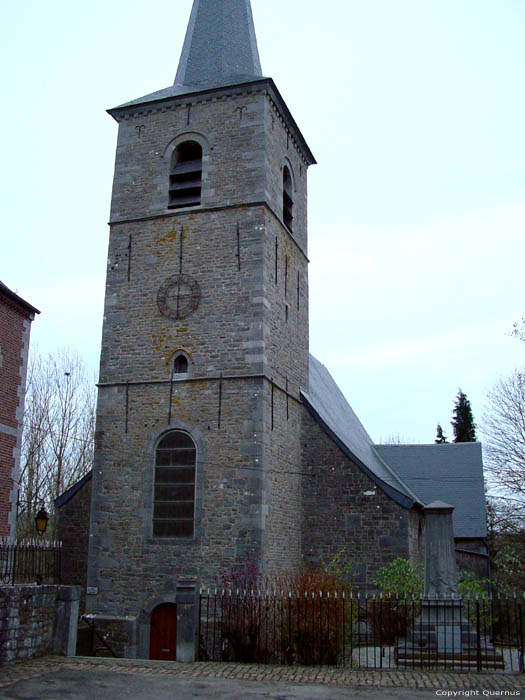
x=287, y=198
x=186, y=175
x=180, y=366
x=174, y=497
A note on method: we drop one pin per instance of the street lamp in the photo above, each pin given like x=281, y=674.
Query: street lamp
x=41, y=520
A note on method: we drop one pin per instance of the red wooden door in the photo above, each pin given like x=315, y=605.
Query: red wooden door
x=163, y=633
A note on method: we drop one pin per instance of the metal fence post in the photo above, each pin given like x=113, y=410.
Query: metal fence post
x=521, y=641
x=478, y=638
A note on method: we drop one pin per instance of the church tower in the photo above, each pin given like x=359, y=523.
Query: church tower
x=205, y=336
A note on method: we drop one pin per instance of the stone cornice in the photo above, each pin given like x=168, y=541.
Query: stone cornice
x=265, y=85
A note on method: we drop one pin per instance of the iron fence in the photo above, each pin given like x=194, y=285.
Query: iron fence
x=362, y=631
x=30, y=561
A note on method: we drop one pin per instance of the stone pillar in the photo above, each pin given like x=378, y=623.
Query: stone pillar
x=441, y=605
x=68, y=601
x=188, y=593
x=441, y=577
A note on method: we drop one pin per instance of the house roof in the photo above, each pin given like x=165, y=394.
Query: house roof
x=72, y=490
x=4, y=289
x=329, y=407
x=449, y=472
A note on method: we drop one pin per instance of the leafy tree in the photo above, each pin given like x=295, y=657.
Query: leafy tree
x=441, y=438
x=462, y=420
x=509, y=567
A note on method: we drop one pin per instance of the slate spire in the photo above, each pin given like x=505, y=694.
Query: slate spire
x=220, y=47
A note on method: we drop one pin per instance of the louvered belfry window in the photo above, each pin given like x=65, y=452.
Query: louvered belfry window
x=287, y=198
x=186, y=175
x=174, y=503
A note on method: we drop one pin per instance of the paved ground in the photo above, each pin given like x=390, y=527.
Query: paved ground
x=54, y=678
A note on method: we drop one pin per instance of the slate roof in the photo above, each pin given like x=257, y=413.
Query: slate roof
x=329, y=407
x=220, y=45
x=220, y=49
x=449, y=472
x=72, y=490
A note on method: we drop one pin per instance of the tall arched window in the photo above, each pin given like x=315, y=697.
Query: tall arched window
x=287, y=198
x=186, y=175
x=174, y=497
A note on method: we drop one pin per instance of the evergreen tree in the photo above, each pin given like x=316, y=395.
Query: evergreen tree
x=440, y=437
x=462, y=420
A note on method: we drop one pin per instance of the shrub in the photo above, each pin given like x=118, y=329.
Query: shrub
x=314, y=619
x=400, y=578
x=402, y=585
x=243, y=613
x=472, y=589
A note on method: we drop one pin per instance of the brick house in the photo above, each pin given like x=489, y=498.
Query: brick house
x=219, y=437
x=16, y=316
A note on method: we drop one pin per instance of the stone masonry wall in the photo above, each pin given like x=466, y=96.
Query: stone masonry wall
x=281, y=150
x=229, y=129
x=131, y=568
x=246, y=342
x=344, y=509
x=223, y=334
x=14, y=347
x=470, y=556
x=73, y=531
x=27, y=621
x=416, y=537
x=240, y=129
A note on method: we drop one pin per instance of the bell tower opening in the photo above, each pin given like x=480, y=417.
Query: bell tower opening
x=186, y=175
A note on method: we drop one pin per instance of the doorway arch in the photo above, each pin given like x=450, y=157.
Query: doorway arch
x=163, y=633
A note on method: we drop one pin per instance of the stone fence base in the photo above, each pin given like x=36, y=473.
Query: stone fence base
x=38, y=620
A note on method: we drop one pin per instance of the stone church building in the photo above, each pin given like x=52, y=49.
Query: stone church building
x=219, y=438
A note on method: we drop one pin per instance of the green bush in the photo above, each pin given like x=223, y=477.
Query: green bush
x=399, y=581
x=472, y=589
x=400, y=578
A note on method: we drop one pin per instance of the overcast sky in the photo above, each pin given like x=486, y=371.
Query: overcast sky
x=415, y=111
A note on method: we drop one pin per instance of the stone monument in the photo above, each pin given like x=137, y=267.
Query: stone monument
x=442, y=634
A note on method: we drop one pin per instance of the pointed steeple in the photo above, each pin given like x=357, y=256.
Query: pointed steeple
x=220, y=47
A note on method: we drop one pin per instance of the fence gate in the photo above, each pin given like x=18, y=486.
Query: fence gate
x=163, y=633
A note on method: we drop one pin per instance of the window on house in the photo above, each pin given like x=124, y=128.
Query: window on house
x=186, y=175
x=180, y=366
x=174, y=497
x=287, y=198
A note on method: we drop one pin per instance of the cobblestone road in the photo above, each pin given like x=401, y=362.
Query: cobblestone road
x=79, y=677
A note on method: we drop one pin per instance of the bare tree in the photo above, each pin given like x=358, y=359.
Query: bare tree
x=506, y=541
x=395, y=439
x=504, y=428
x=57, y=443
x=518, y=329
